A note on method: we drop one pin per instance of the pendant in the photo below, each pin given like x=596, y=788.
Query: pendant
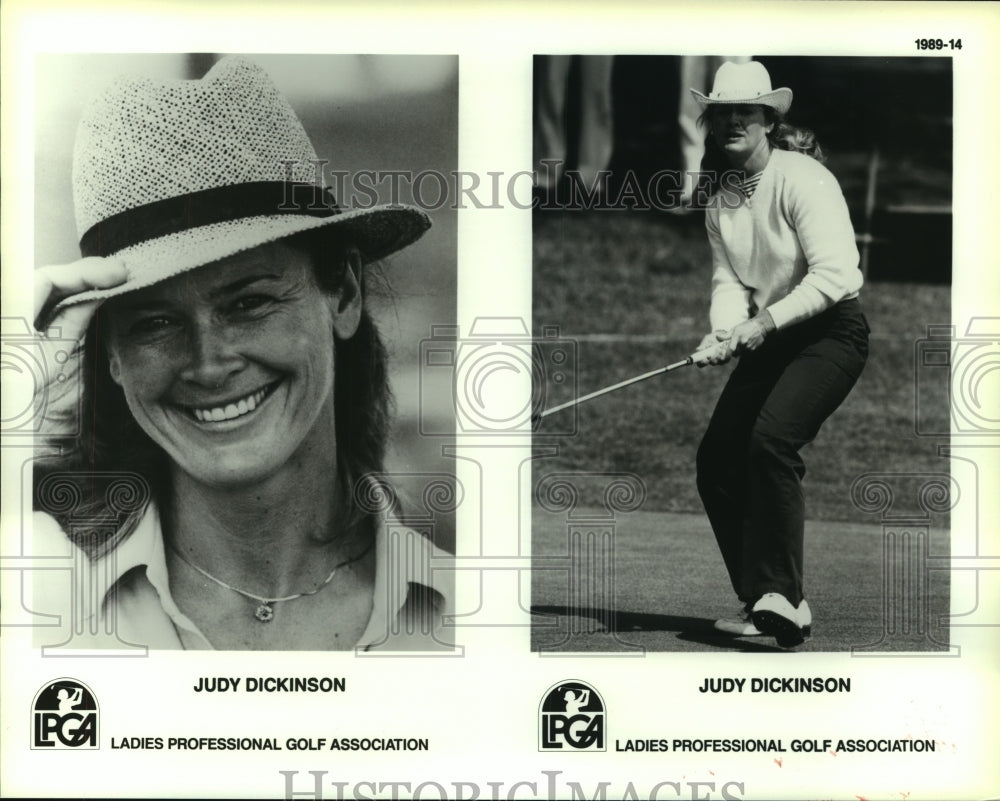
x=264, y=613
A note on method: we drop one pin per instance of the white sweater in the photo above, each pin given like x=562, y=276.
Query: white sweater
x=789, y=249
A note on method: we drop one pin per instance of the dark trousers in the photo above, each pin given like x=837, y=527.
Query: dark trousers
x=749, y=468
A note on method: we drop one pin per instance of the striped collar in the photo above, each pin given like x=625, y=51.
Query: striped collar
x=749, y=185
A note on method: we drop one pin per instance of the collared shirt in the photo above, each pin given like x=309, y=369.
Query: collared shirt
x=123, y=600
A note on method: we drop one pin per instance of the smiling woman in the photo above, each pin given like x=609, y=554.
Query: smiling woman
x=229, y=370
x=233, y=376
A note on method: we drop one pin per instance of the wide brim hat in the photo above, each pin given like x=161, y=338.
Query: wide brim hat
x=169, y=176
x=742, y=84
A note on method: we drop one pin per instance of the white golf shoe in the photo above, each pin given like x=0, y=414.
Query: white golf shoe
x=739, y=625
x=774, y=614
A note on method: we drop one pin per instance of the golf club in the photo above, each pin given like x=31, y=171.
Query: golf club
x=694, y=357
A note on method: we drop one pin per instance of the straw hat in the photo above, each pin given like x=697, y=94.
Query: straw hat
x=169, y=176
x=747, y=83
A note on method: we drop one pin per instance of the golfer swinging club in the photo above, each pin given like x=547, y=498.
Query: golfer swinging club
x=785, y=284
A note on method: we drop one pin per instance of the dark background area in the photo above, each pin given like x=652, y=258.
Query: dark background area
x=899, y=108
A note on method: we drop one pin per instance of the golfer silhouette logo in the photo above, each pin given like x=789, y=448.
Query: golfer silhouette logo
x=64, y=715
x=572, y=716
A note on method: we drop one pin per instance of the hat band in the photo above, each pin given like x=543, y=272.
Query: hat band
x=219, y=204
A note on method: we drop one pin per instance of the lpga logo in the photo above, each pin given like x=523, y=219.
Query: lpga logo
x=572, y=715
x=64, y=715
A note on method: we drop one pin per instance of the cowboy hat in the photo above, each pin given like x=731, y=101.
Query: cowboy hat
x=169, y=176
x=747, y=83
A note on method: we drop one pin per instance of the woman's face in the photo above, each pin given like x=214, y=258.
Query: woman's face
x=741, y=131
x=229, y=368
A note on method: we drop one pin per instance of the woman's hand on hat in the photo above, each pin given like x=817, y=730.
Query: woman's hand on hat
x=59, y=281
x=717, y=343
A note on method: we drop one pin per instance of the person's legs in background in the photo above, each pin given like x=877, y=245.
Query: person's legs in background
x=550, y=119
x=595, y=137
x=596, y=120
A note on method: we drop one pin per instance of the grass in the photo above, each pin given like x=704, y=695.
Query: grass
x=663, y=583
x=643, y=277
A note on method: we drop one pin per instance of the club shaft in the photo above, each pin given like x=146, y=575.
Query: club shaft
x=619, y=385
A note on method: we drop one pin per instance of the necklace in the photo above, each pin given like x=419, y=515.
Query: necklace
x=265, y=611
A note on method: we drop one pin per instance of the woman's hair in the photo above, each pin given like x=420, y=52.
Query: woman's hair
x=98, y=487
x=362, y=396
x=783, y=136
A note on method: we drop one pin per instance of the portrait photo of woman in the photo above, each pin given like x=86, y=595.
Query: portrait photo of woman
x=232, y=381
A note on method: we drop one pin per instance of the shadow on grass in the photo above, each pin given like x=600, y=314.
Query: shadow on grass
x=621, y=624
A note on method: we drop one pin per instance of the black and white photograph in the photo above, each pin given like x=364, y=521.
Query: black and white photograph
x=499, y=401
x=770, y=237
x=227, y=451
